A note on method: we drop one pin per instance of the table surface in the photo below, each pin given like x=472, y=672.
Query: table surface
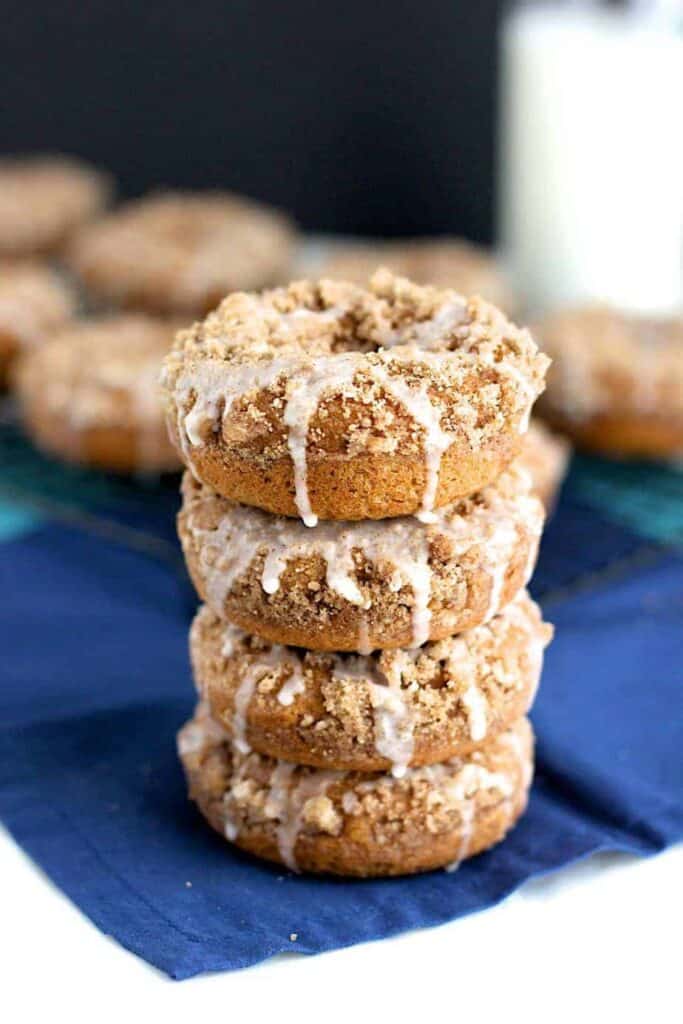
x=600, y=939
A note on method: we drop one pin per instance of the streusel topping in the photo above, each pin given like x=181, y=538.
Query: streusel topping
x=445, y=364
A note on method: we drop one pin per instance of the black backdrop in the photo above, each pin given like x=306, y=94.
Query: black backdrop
x=366, y=116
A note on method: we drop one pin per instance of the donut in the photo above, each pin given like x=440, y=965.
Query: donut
x=442, y=262
x=179, y=253
x=43, y=199
x=616, y=386
x=91, y=394
x=545, y=457
x=375, y=712
x=359, y=586
x=350, y=823
x=34, y=302
x=329, y=401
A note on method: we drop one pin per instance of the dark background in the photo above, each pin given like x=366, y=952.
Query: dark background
x=367, y=117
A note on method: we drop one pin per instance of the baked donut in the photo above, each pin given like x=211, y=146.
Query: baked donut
x=545, y=458
x=442, y=262
x=42, y=200
x=329, y=401
x=179, y=253
x=362, y=586
x=349, y=823
x=369, y=713
x=616, y=385
x=34, y=302
x=91, y=394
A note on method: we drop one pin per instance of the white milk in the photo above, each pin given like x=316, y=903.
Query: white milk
x=591, y=154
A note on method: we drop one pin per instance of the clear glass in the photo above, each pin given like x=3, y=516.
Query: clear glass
x=590, y=155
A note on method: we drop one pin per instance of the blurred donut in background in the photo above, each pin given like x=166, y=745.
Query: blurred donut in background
x=180, y=253
x=91, y=394
x=44, y=198
x=34, y=302
x=545, y=456
x=444, y=263
x=616, y=381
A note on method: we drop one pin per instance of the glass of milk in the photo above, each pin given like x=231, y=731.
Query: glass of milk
x=590, y=158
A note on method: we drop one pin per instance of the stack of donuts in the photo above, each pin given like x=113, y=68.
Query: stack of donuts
x=359, y=522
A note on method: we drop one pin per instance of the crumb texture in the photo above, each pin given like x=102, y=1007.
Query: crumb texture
x=349, y=823
x=381, y=711
x=360, y=586
x=329, y=371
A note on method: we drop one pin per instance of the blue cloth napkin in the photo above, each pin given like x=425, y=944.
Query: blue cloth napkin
x=96, y=682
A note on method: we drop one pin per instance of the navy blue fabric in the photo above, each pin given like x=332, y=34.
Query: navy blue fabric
x=96, y=681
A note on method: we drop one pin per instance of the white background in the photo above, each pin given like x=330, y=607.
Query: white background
x=600, y=941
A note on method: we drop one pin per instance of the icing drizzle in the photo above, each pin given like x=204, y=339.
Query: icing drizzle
x=402, y=545
x=274, y=658
x=211, y=387
x=287, y=804
x=287, y=796
x=393, y=717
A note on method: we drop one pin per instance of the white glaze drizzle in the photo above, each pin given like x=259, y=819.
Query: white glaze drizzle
x=243, y=695
x=291, y=688
x=513, y=742
x=231, y=828
x=459, y=784
x=216, y=385
x=392, y=711
x=277, y=801
x=231, y=822
x=287, y=805
x=194, y=737
x=534, y=648
x=463, y=789
x=466, y=829
x=528, y=393
x=498, y=552
x=418, y=403
x=393, y=719
x=260, y=663
x=476, y=706
x=494, y=530
x=199, y=732
x=227, y=551
x=403, y=545
x=304, y=393
x=462, y=669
